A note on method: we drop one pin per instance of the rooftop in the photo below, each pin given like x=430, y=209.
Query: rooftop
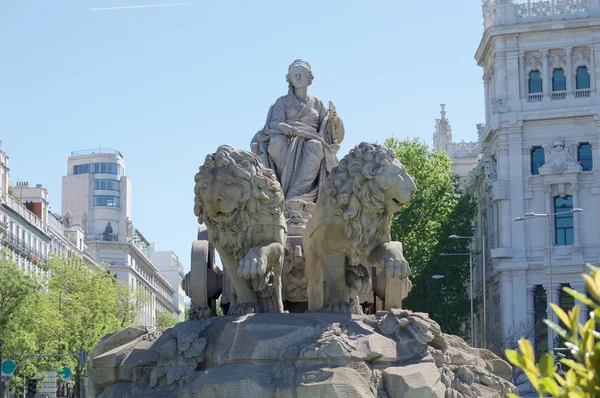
x=509, y=12
x=96, y=151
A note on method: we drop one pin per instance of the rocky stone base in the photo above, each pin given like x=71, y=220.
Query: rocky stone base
x=391, y=354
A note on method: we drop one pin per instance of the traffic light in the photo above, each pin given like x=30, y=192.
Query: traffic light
x=31, y=387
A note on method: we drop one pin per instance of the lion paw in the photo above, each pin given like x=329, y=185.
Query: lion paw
x=241, y=309
x=342, y=307
x=200, y=312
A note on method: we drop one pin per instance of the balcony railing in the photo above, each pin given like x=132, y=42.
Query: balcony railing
x=96, y=151
x=502, y=12
x=583, y=93
x=559, y=95
x=24, y=212
x=20, y=247
x=102, y=237
x=535, y=97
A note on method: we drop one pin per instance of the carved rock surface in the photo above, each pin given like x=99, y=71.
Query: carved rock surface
x=418, y=380
x=296, y=355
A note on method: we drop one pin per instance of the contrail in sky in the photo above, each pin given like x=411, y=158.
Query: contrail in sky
x=143, y=6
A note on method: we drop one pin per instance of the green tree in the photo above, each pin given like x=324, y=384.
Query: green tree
x=165, y=320
x=15, y=288
x=436, y=211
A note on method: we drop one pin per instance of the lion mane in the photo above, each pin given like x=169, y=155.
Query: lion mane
x=262, y=196
x=357, y=187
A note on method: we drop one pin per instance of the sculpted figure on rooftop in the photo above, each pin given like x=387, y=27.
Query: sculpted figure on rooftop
x=300, y=137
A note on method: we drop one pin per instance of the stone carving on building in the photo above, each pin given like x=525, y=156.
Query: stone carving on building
x=300, y=137
x=532, y=62
x=539, y=9
x=498, y=106
x=488, y=161
x=84, y=222
x=581, y=57
x=68, y=220
x=129, y=226
x=241, y=203
x=350, y=225
x=559, y=157
x=557, y=59
x=108, y=235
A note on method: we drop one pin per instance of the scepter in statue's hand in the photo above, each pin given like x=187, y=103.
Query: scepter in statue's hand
x=335, y=127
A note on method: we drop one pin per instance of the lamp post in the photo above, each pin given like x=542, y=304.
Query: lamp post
x=529, y=216
x=470, y=290
x=483, y=277
x=437, y=277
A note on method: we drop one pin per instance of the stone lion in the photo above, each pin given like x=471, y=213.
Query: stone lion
x=351, y=226
x=241, y=203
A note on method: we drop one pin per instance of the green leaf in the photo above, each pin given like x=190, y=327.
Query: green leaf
x=550, y=386
x=527, y=349
x=579, y=296
x=561, y=315
x=560, y=331
x=546, y=365
x=515, y=358
x=573, y=365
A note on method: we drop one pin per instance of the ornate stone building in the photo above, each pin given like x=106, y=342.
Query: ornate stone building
x=539, y=155
x=463, y=155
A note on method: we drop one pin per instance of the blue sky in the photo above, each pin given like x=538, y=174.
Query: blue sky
x=167, y=85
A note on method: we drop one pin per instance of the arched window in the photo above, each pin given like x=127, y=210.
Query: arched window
x=535, y=82
x=584, y=156
x=537, y=159
x=559, y=83
x=563, y=220
x=582, y=80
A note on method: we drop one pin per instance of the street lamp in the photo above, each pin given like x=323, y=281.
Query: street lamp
x=529, y=216
x=483, y=277
x=470, y=289
x=438, y=277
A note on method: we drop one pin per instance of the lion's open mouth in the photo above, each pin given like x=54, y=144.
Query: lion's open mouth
x=220, y=214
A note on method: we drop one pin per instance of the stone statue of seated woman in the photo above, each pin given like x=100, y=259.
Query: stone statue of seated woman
x=300, y=137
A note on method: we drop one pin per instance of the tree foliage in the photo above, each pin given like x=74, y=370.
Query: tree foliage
x=165, y=320
x=68, y=307
x=436, y=211
x=583, y=376
x=15, y=288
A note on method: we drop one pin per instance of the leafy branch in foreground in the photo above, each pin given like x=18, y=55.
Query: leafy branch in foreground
x=583, y=377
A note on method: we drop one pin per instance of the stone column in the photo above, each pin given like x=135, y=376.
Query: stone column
x=519, y=287
x=550, y=223
x=552, y=297
x=515, y=151
x=500, y=81
x=531, y=310
x=512, y=76
x=523, y=78
x=546, y=81
x=506, y=302
x=486, y=90
x=593, y=73
x=569, y=72
x=575, y=196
